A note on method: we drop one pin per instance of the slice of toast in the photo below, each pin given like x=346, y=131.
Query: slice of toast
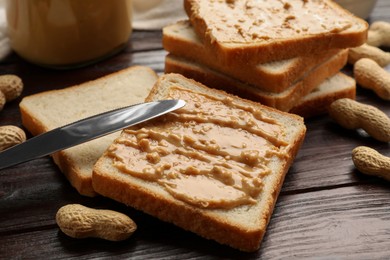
x=192, y=167
x=283, y=101
x=180, y=40
x=318, y=101
x=261, y=31
x=48, y=110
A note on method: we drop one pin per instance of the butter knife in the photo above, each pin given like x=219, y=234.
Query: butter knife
x=85, y=130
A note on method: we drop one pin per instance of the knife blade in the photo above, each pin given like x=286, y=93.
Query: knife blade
x=85, y=130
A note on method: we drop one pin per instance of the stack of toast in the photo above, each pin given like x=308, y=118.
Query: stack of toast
x=283, y=54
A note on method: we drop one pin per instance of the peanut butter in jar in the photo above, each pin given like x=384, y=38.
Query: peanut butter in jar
x=68, y=33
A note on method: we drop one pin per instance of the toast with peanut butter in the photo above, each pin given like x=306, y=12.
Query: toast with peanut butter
x=256, y=32
x=180, y=40
x=283, y=101
x=51, y=109
x=214, y=167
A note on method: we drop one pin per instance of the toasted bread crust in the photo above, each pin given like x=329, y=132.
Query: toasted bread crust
x=82, y=183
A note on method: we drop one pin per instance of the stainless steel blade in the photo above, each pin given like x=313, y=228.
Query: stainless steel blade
x=85, y=130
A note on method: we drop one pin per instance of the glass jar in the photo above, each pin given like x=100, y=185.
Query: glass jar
x=68, y=33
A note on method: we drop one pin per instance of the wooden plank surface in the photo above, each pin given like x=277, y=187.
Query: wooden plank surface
x=326, y=208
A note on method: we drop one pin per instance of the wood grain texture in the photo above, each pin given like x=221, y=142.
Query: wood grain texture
x=326, y=209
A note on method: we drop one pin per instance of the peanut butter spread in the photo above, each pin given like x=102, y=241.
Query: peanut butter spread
x=246, y=21
x=213, y=153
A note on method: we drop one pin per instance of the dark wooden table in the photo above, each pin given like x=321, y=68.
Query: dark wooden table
x=326, y=209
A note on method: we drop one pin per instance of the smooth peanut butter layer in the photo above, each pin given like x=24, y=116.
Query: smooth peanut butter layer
x=251, y=20
x=213, y=153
